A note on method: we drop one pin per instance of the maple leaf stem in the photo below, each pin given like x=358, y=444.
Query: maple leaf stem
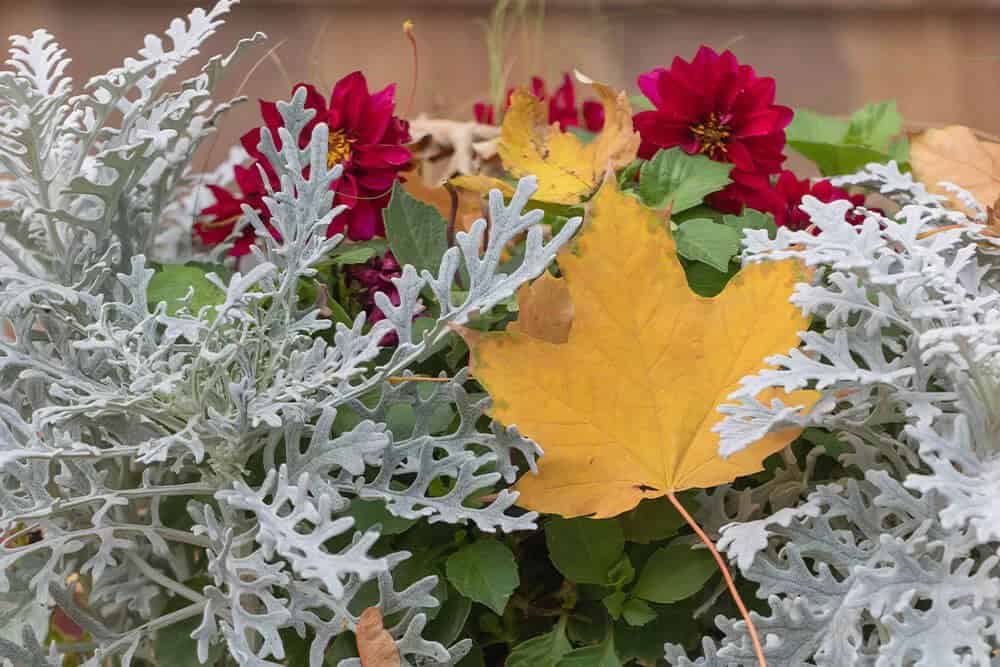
x=758, y=649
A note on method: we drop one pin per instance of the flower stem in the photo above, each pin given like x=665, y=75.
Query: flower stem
x=408, y=31
x=758, y=649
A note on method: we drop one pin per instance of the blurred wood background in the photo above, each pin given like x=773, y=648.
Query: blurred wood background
x=940, y=59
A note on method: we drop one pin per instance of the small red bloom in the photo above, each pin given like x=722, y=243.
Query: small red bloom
x=228, y=208
x=365, y=137
x=562, y=107
x=717, y=107
x=376, y=276
x=784, y=198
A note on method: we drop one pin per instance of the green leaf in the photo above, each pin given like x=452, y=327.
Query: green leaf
x=751, y=219
x=484, y=571
x=705, y=280
x=621, y=573
x=615, y=603
x=637, y=613
x=674, y=623
x=367, y=513
x=173, y=644
x=836, y=159
x=673, y=176
x=815, y=127
x=417, y=233
x=652, y=520
x=640, y=103
x=837, y=146
x=171, y=282
x=584, y=550
x=708, y=242
x=541, y=651
x=450, y=621
x=627, y=177
x=874, y=125
x=602, y=655
x=674, y=573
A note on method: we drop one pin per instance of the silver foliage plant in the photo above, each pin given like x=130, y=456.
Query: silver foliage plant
x=895, y=563
x=115, y=413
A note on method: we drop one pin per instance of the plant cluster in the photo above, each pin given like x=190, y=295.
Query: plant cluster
x=310, y=409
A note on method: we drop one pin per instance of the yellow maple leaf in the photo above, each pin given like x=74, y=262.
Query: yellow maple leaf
x=568, y=170
x=954, y=154
x=624, y=408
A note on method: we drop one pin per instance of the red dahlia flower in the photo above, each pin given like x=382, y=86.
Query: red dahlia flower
x=784, y=198
x=562, y=107
x=228, y=208
x=365, y=138
x=716, y=107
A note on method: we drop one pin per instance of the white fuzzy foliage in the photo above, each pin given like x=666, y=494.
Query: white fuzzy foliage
x=114, y=414
x=895, y=564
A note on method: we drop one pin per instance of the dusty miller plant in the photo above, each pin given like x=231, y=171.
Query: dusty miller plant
x=114, y=412
x=896, y=562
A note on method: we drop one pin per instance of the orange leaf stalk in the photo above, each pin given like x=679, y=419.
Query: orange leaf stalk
x=408, y=31
x=758, y=649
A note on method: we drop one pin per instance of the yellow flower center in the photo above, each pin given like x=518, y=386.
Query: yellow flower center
x=338, y=148
x=712, y=135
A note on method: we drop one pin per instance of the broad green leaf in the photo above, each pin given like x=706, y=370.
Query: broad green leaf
x=450, y=621
x=836, y=159
x=417, y=233
x=602, y=655
x=652, y=520
x=674, y=178
x=674, y=573
x=589, y=623
x=485, y=572
x=584, y=550
x=352, y=255
x=542, y=651
x=674, y=623
x=173, y=644
x=751, y=219
x=705, y=280
x=810, y=126
x=840, y=146
x=615, y=603
x=621, y=573
x=637, y=613
x=171, y=283
x=367, y=513
x=708, y=242
x=874, y=125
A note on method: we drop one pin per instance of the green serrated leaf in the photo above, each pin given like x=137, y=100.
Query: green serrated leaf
x=171, y=283
x=674, y=623
x=674, y=178
x=637, y=613
x=541, y=651
x=652, y=520
x=811, y=126
x=708, y=242
x=584, y=550
x=602, y=655
x=484, y=571
x=674, y=573
x=417, y=233
x=874, y=125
